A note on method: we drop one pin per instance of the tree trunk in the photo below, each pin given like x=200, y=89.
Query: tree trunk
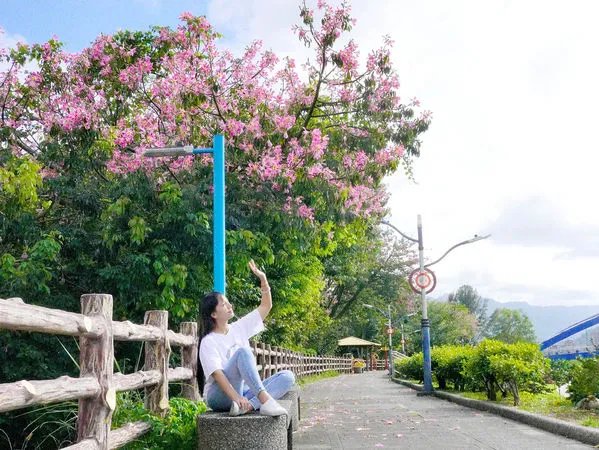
x=514, y=388
x=442, y=383
x=491, y=391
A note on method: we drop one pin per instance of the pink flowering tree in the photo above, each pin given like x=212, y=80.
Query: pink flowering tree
x=307, y=149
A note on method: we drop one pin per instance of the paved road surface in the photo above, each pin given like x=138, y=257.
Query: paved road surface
x=367, y=411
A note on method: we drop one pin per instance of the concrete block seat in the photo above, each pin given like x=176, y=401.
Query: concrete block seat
x=251, y=431
x=294, y=395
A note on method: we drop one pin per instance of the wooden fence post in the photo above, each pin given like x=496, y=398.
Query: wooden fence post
x=254, y=346
x=157, y=355
x=269, y=359
x=264, y=361
x=189, y=360
x=96, y=357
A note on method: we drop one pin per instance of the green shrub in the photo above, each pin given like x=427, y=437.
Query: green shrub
x=585, y=379
x=495, y=365
x=561, y=371
x=177, y=430
x=478, y=367
x=447, y=365
x=521, y=366
x=411, y=368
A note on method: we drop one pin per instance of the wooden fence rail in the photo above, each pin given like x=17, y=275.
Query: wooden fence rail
x=97, y=385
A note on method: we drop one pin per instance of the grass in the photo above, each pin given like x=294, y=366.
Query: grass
x=550, y=404
x=320, y=376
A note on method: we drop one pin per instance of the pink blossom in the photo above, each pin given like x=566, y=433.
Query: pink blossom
x=197, y=89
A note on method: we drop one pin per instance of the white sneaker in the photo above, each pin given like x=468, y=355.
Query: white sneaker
x=272, y=408
x=236, y=410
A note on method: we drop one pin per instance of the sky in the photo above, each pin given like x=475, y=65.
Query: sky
x=511, y=151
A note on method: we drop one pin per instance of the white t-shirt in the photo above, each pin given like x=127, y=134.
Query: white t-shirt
x=216, y=349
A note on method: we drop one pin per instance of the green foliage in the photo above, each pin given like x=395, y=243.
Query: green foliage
x=561, y=371
x=550, y=404
x=451, y=324
x=321, y=376
x=412, y=367
x=176, y=430
x=585, y=379
x=495, y=365
x=511, y=326
x=489, y=366
x=41, y=427
x=466, y=295
x=447, y=364
x=20, y=180
x=522, y=367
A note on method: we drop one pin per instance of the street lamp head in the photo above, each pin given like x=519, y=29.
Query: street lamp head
x=187, y=150
x=367, y=305
x=478, y=238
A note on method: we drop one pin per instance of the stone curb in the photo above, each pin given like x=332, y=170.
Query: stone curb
x=586, y=435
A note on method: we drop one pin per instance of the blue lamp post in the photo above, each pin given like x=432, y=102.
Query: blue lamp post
x=218, y=154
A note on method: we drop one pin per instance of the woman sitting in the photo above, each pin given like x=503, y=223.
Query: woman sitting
x=227, y=365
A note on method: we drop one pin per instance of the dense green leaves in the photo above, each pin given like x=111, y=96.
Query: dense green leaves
x=447, y=363
x=468, y=296
x=176, y=430
x=490, y=366
x=511, y=326
x=585, y=379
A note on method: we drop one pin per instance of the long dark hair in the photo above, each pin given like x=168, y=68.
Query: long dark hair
x=206, y=324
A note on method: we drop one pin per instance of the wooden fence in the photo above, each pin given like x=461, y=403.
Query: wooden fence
x=97, y=385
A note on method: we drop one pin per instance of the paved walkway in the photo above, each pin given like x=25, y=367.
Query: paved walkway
x=368, y=411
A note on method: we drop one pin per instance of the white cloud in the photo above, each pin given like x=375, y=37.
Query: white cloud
x=10, y=41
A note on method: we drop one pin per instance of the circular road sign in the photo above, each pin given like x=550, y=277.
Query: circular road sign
x=422, y=281
x=389, y=331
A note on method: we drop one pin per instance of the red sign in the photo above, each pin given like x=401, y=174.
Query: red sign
x=389, y=331
x=424, y=280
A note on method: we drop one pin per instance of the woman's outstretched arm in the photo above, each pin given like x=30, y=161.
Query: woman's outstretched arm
x=266, y=303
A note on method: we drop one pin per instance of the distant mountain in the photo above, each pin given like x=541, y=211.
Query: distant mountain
x=547, y=320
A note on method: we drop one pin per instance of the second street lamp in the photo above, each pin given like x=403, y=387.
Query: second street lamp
x=389, y=332
x=401, y=322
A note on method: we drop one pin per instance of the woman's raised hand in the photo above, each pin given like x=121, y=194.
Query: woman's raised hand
x=266, y=302
x=257, y=271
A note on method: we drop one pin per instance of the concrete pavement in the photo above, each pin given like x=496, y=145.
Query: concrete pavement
x=364, y=411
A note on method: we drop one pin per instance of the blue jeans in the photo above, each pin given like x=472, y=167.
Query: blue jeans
x=242, y=373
